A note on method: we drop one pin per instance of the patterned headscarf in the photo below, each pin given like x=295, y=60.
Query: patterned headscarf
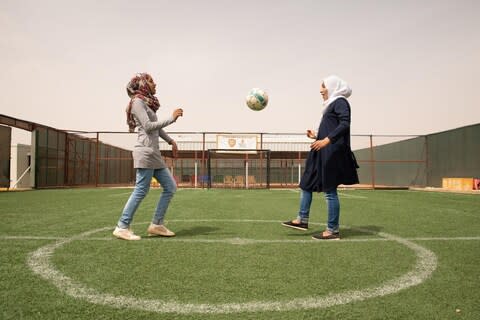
x=137, y=88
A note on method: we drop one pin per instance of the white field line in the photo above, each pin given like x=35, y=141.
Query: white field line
x=120, y=194
x=346, y=195
x=130, y=192
x=444, y=238
x=30, y=238
x=40, y=263
x=244, y=241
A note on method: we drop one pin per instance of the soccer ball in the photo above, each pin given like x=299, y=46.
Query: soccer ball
x=257, y=99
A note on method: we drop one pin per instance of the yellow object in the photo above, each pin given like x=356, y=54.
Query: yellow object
x=154, y=183
x=228, y=180
x=463, y=184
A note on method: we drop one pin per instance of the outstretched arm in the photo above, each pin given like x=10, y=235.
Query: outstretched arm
x=162, y=134
x=140, y=113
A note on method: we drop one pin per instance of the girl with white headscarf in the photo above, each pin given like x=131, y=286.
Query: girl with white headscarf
x=330, y=161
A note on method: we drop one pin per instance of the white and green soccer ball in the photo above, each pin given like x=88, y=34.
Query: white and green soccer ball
x=257, y=99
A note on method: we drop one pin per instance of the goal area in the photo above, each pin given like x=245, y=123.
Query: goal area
x=238, y=168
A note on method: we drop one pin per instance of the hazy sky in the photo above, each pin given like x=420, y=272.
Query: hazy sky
x=414, y=66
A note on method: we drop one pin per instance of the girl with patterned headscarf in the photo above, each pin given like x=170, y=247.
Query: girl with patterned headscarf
x=147, y=159
x=137, y=87
x=330, y=161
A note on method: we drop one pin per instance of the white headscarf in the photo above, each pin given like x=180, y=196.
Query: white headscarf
x=337, y=88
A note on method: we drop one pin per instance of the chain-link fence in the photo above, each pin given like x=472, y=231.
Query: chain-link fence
x=64, y=158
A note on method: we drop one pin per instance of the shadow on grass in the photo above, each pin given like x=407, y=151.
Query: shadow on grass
x=291, y=232
x=350, y=232
x=355, y=231
x=196, y=231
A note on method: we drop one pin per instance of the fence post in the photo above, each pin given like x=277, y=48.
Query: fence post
x=427, y=169
x=372, y=161
x=268, y=169
x=246, y=170
x=203, y=160
x=97, y=160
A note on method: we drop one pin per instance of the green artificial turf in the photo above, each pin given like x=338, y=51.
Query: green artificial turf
x=231, y=249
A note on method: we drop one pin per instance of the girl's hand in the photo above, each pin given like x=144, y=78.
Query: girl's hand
x=174, y=149
x=177, y=113
x=311, y=134
x=319, y=144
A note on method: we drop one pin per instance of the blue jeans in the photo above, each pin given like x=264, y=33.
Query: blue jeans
x=305, y=203
x=333, y=206
x=142, y=186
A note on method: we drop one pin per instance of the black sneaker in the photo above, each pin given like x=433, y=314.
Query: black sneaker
x=298, y=226
x=332, y=236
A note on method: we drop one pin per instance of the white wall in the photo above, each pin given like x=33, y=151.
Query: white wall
x=20, y=161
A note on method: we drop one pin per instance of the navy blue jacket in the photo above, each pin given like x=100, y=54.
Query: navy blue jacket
x=334, y=164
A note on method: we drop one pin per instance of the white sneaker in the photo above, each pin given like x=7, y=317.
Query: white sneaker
x=159, y=230
x=125, y=234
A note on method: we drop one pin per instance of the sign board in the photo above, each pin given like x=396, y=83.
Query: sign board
x=237, y=142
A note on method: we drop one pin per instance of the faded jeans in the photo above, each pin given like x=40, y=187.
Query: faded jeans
x=333, y=206
x=142, y=186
